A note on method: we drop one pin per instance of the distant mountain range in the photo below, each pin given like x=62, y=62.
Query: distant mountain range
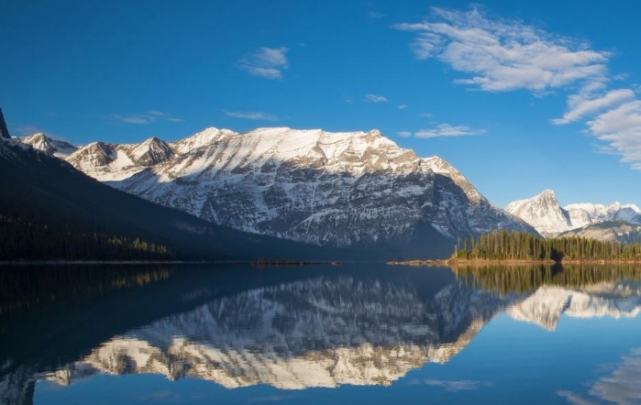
x=620, y=222
x=356, y=190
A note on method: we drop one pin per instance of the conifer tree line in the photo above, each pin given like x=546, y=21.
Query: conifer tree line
x=26, y=240
x=503, y=245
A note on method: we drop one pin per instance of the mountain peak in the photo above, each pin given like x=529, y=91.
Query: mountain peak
x=48, y=145
x=4, y=131
x=543, y=212
x=203, y=138
x=37, y=136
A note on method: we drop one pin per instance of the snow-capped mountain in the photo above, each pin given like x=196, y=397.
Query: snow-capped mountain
x=52, y=147
x=586, y=214
x=543, y=212
x=546, y=215
x=339, y=189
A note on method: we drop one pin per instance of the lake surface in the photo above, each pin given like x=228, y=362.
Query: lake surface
x=357, y=333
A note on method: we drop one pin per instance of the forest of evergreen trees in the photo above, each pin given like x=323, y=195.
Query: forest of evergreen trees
x=26, y=240
x=503, y=245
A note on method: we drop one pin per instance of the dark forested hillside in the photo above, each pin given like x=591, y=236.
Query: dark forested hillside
x=50, y=211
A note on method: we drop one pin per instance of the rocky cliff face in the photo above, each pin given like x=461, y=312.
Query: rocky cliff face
x=337, y=189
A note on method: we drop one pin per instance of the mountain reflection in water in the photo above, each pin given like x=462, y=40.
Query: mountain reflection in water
x=287, y=328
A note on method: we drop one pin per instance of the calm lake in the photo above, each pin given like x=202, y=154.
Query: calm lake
x=358, y=333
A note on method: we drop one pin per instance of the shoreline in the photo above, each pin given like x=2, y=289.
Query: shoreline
x=284, y=262
x=508, y=262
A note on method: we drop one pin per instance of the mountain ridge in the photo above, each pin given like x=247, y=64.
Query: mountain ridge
x=344, y=189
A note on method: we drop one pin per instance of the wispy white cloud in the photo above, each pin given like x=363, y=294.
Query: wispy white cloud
x=402, y=106
x=581, y=105
x=29, y=129
x=575, y=399
x=259, y=116
x=503, y=55
x=144, y=118
x=375, y=14
x=620, y=128
x=373, y=98
x=266, y=62
x=269, y=398
x=404, y=134
x=447, y=130
x=497, y=55
x=454, y=385
x=137, y=120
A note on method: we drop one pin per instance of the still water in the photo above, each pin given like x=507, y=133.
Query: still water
x=356, y=333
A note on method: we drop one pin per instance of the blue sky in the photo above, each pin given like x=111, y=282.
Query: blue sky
x=518, y=96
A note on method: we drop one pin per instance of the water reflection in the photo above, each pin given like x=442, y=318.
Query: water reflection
x=621, y=386
x=548, y=292
x=317, y=333
x=289, y=328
